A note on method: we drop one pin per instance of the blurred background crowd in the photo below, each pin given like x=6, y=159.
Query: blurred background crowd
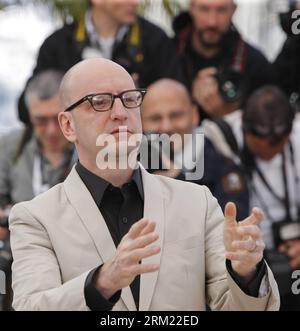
x=228, y=69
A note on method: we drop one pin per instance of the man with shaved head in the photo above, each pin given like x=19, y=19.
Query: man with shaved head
x=167, y=109
x=114, y=237
x=220, y=67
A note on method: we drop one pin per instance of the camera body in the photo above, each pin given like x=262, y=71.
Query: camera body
x=232, y=84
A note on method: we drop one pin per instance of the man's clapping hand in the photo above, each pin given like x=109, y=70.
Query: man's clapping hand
x=122, y=269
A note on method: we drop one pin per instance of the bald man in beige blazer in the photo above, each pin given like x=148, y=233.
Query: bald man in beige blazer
x=178, y=249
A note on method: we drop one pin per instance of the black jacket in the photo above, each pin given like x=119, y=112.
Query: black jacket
x=218, y=173
x=287, y=66
x=255, y=67
x=154, y=56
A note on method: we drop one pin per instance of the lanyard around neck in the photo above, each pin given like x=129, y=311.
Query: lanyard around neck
x=285, y=201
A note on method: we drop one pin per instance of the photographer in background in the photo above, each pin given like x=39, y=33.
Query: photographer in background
x=32, y=160
x=287, y=63
x=220, y=67
x=265, y=137
x=112, y=30
x=272, y=158
x=167, y=109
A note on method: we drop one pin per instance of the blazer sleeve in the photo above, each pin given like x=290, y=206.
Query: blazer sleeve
x=37, y=283
x=222, y=291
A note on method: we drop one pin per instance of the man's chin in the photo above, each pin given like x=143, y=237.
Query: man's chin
x=129, y=19
x=211, y=45
x=211, y=40
x=54, y=145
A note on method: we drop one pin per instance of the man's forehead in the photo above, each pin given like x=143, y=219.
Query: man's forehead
x=163, y=107
x=101, y=83
x=164, y=93
x=40, y=107
x=99, y=74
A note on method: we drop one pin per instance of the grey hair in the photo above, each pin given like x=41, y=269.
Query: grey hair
x=43, y=86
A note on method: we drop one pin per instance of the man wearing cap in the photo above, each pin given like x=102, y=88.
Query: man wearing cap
x=114, y=237
x=267, y=135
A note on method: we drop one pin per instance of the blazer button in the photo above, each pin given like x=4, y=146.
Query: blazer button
x=125, y=220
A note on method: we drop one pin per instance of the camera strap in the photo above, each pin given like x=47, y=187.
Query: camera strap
x=239, y=58
x=285, y=201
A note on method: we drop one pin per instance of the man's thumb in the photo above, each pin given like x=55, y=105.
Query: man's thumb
x=230, y=214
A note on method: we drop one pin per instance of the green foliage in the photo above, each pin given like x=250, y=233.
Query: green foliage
x=66, y=8
x=77, y=8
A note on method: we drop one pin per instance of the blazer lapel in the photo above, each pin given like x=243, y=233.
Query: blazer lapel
x=82, y=201
x=154, y=210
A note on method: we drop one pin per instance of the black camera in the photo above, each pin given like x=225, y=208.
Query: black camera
x=155, y=152
x=232, y=84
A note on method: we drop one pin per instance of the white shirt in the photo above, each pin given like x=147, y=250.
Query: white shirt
x=101, y=47
x=272, y=171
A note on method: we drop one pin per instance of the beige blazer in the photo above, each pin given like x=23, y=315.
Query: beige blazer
x=60, y=236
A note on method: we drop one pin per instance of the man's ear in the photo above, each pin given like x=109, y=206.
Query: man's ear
x=66, y=123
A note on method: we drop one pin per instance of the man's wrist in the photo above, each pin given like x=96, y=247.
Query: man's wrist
x=94, y=299
x=246, y=273
x=103, y=286
x=249, y=286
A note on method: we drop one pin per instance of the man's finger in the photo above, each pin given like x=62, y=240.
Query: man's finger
x=255, y=218
x=142, y=253
x=137, y=228
x=140, y=269
x=143, y=241
x=148, y=229
x=230, y=214
x=249, y=245
x=250, y=230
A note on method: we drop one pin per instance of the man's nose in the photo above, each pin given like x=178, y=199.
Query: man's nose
x=52, y=127
x=165, y=126
x=118, y=111
x=212, y=19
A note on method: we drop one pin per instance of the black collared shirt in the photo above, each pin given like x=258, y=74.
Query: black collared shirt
x=120, y=208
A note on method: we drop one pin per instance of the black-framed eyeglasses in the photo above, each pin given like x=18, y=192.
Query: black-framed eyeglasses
x=102, y=102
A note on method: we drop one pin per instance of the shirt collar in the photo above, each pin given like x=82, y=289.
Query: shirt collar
x=69, y=152
x=97, y=185
x=93, y=35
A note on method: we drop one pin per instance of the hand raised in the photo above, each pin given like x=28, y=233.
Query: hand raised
x=243, y=241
